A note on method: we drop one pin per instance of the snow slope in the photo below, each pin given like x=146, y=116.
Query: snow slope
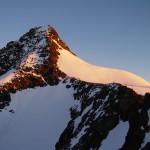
x=7, y=77
x=116, y=137
x=40, y=116
x=75, y=67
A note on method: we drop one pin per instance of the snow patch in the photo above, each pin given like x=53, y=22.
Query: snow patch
x=147, y=136
x=7, y=77
x=116, y=137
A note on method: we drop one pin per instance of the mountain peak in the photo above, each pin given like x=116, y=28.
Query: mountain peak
x=31, y=59
x=41, y=50
x=52, y=96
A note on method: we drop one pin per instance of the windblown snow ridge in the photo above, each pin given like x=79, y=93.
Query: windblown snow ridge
x=41, y=47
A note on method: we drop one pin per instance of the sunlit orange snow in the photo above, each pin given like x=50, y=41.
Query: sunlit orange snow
x=75, y=67
x=7, y=77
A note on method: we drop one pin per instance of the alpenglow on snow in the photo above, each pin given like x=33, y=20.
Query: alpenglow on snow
x=51, y=99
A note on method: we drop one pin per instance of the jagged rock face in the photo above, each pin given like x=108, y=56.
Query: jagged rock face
x=10, y=56
x=99, y=108
x=34, y=58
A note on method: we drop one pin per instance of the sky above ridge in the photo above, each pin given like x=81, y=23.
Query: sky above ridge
x=109, y=33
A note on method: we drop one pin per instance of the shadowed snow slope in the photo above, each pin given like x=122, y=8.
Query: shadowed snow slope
x=39, y=118
x=75, y=67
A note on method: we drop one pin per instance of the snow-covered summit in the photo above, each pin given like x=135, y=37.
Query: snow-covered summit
x=42, y=45
x=51, y=99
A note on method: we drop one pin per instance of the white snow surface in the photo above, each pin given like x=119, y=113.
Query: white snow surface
x=40, y=116
x=77, y=68
x=147, y=137
x=116, y=137
x=5, y=78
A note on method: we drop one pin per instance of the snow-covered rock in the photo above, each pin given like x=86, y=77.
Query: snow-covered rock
x=51, y=99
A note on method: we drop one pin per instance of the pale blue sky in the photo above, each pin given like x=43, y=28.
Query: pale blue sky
x=110, y=33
